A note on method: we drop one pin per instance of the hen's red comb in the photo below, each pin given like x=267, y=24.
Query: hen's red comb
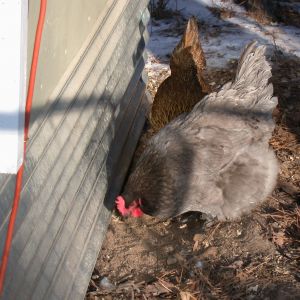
x=134, y=208
x=120, y=202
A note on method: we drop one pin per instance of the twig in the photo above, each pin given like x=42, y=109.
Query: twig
x=92, y=282
x=180, y=278
x=275, y=45
x=166, y=274
x=212, y=233
x=206, y=280
x=163, y=282
x=214, y=289
x=250, y=270
x=124, y=278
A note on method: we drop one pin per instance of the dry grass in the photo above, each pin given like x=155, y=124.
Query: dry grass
x=260, y=16
x=223, y=11
x=159, y=9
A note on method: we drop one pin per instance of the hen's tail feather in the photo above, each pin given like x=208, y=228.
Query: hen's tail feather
x=252, y=79
x=190, y=42
x=190, y=37
x=250, y=95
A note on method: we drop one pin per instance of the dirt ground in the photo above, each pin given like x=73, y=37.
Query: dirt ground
x=257, y=257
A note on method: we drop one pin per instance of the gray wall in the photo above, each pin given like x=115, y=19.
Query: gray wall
x=79, y=150
x=67, y=26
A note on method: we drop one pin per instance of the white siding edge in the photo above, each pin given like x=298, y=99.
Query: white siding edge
x=13, y=57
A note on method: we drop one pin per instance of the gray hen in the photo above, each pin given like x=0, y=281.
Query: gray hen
x=215, y=159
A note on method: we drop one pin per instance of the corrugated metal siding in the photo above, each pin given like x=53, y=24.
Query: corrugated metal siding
x=78, y=155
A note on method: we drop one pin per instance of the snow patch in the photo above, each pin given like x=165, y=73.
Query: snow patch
x=222, y=40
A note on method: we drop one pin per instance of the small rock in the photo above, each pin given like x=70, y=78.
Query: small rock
x=239, y=232
x=169, y=249
x=171, y=261
x=192, y=274
x=206, y=244
x=210, y=252
x=198, y=237
x=155, y=241
x=199, y=264
x=184, y=220
x=167, y=223
x=253, y=288
x=95, y=277
x=276, y=225
x=236, y=264
x=105, y=283
x=183, y=253
x=181, y=256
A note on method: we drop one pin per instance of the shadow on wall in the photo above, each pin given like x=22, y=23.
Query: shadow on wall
x=58, y=127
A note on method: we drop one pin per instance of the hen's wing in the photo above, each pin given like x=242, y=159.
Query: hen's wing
x=228, y=171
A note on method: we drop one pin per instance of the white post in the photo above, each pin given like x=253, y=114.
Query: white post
x=13, y=57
